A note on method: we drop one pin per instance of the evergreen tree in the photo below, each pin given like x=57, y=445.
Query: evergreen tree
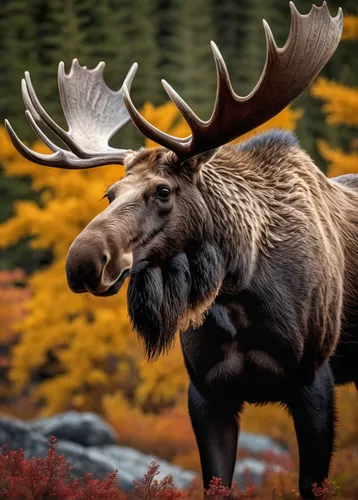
x=75, y=16
x=58, y=39
x=167, y=18
x=94, y=20
x=131, y=36
x=231, y=36
x=194, y=77
x=253, y=52
x=18, y=54
x=144, y=49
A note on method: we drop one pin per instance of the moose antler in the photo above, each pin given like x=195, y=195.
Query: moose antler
x=288, y=71
x=94, y=113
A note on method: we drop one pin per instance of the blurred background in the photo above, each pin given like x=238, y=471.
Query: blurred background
x=61, y=352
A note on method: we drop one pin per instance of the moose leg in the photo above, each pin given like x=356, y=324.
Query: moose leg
x=216, y=432
x=313, y=412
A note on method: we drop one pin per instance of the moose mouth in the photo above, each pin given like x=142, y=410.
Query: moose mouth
x=113, y=289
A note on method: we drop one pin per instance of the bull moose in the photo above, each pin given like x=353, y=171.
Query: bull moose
x=250, y=251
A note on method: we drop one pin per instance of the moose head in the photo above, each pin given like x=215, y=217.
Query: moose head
x=179, y=211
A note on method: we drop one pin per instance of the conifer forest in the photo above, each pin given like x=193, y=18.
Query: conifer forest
x=61, y=351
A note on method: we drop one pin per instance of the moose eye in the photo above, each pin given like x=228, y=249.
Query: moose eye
x=163, y=193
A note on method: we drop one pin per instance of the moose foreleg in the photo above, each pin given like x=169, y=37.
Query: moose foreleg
x=216, y=432
x=313, y=412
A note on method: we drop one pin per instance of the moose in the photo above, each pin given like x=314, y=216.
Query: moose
x=249, y=251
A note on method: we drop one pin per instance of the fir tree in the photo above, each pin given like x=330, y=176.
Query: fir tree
x=194, y=77
x=132, y=38
x=167, y=18
x=57, y=40
x=144, y=49
x=253, y=52
x=95, y=25
x=231, y=36
x=18, y=47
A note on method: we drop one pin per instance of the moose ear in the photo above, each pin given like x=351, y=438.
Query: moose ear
x=194, y=164
x=129, y=157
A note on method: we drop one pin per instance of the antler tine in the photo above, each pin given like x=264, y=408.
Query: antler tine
x=93, y=112
x=33, y=117
x=51, y=160
x=27, y=101
x=288, y=71
x=147, y=128
x=40, y=133
x=59, y=159
x=187, y=113
x=46, y=118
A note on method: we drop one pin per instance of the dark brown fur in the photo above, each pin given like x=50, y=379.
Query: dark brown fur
x=253, y=257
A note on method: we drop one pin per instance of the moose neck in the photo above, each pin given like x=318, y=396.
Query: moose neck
x=256, y=197
x=233, y=195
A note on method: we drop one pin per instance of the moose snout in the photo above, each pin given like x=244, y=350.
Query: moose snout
x=93, y=266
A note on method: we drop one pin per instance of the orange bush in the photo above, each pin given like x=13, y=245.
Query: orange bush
x=13, y=297
x=168, y=435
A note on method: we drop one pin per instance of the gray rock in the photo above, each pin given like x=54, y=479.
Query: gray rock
x=259, y=443
x=251, y=472
x=17, y=434
x=85, y=459
x=88, y=444
x=100, y=461
x=86, y=429
x=136, y=463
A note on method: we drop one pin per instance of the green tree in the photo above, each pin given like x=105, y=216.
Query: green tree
x=253, y=51
x=144, y=49
x=57, y=39
x=231, y=36
x=194, y=77
x=18, y=53
x=132, y=37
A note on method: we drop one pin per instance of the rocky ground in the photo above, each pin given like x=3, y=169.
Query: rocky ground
x=90, y=445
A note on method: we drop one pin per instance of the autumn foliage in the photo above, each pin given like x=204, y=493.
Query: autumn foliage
x=14, y=293
x=341, y=108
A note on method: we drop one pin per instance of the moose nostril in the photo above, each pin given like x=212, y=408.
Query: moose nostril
x=105, y=259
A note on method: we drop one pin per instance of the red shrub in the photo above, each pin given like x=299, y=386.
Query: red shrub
x=218, y=490
x=150, y=488
x=326, y=491
x=49, y=478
